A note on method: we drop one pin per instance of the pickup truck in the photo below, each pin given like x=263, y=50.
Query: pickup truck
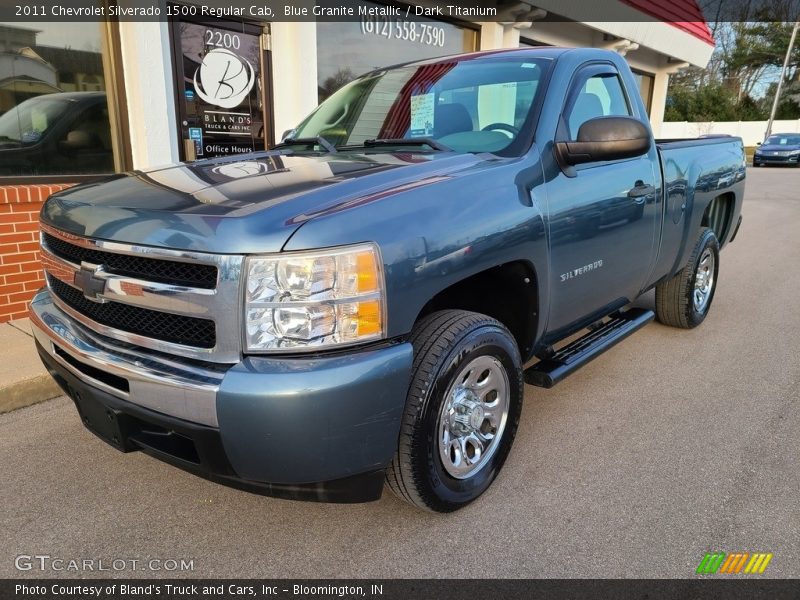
x=363, y=304
x=65, y=132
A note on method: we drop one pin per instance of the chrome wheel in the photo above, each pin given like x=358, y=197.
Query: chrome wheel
x=704, y=280
x=473, y=417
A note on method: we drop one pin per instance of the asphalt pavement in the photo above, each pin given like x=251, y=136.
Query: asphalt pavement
x=672, y=444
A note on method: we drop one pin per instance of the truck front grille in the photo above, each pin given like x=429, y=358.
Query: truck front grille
x=178, y=329
x=187, y=274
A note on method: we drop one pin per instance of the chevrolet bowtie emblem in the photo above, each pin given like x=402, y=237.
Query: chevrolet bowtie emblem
x=89, y=283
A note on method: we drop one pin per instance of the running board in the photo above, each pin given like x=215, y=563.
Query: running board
x=549, y=371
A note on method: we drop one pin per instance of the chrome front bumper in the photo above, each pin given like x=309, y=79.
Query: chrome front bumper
x=238, y=424
x=185, y=390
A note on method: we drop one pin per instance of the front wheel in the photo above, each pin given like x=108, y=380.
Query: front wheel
x=461, y=413
x=684, y=300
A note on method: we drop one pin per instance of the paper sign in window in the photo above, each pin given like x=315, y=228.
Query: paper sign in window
x=422, y=109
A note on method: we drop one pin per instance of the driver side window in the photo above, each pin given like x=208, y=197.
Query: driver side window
x=504, y=103
x=600, y=96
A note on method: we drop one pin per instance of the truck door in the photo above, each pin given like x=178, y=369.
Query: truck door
x=602, y=216
x=83, y=142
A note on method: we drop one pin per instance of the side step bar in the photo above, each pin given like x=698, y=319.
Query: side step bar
x=549, y=371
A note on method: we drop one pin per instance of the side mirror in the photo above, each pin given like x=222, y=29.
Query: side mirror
x=76, y=140
x=288, y=134
x=758, y=143
x=605, y=138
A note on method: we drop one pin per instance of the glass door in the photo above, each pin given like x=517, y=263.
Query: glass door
x=223, y=97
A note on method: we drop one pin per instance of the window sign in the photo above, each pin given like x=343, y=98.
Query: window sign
x=347, y=49
x=196, y=135
x=422, y=110
x=222, y=95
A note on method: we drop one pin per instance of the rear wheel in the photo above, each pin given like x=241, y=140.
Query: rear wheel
x=461, y=413
x=684, y=300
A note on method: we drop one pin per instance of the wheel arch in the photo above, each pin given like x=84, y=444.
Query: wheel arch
x=718, y=216
x=508, y=292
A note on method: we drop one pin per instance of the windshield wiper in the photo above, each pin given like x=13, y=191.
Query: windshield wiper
x=420, y=141
x=308, y=141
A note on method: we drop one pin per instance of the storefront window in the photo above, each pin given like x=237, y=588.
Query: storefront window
x=54, y=115
x=346, y=50
x=529, y=43
x=645, y=81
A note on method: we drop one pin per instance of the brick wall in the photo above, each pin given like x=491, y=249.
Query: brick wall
x=20, y=266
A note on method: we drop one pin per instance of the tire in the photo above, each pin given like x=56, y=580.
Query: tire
x=448, y=345
x=676, y=303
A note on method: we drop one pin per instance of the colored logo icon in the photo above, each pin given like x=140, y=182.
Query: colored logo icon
x=735, y=563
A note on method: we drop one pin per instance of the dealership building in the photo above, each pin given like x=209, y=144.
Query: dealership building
x=82, y=99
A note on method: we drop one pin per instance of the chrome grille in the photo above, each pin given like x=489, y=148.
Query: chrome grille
x=178, y=302
x=178, y=329
x=152, y=269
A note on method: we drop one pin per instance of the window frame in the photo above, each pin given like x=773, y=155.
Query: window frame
x=113, y=73
x=576, y=86
x=648, y=106
x=582, y=74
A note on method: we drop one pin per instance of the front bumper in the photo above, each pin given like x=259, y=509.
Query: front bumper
x=317, y=428
x=769, y=159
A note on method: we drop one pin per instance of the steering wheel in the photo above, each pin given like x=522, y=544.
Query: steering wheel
x=505, y=127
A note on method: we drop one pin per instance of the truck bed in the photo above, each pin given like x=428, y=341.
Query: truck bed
x=693, y=179
x=669, y=143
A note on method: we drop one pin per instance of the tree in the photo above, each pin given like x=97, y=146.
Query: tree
x=334, y=82
x=751, y=40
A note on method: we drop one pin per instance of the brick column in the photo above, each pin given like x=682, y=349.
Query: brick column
x=20, y=267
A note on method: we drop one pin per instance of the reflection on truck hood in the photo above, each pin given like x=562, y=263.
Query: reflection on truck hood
x=243, y=204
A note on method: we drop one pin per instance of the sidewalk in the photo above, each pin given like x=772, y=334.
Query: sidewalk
x=23, y=379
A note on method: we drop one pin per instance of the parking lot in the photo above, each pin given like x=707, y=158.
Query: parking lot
x=672, y=444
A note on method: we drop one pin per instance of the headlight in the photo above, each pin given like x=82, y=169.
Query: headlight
x=313, y=300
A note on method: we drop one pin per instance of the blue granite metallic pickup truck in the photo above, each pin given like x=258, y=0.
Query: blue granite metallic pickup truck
x=363, y=304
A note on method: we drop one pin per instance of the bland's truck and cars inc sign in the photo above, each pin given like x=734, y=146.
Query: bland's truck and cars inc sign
x=222, y=74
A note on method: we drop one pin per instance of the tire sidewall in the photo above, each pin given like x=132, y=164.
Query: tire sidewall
x=707, y=240
x=443, y=489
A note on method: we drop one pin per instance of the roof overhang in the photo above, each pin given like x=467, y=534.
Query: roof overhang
x=664, y=37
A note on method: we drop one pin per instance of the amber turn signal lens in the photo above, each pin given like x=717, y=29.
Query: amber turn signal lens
x=367, y=271
x=369, y=318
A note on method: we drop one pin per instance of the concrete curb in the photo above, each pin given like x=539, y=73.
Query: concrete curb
x=23, y=378
x=27, y=392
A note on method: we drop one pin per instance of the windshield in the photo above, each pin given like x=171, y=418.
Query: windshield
x=466, y=105
x=783, y=140
x=27, y=122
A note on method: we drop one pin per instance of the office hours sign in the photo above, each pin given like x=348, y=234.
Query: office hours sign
x=222, y=97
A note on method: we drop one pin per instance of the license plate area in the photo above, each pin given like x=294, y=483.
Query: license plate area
x=105, y=422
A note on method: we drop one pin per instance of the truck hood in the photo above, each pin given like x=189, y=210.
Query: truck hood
x=239, y=205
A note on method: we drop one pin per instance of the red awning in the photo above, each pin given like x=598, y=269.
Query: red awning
x=686, y=15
